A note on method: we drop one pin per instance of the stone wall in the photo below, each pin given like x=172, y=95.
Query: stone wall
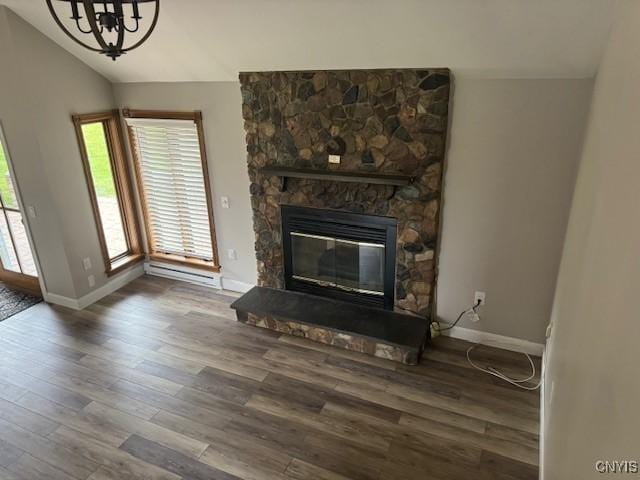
x=387, y=121
x=355, y=343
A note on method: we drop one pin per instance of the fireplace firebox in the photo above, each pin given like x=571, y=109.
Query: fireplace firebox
x=346, y=256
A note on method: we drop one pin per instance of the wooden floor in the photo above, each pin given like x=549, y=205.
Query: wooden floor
x=158, y=381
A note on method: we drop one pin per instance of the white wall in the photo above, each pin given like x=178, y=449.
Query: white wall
x=511, y=168
x=592, y=388
x=199, y=40
x=15, y=116
x=41, y=86
x=511, y=165
x=221, y=106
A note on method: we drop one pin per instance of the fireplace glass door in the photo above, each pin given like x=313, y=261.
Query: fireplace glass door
x=335, y=262
x=341, y=255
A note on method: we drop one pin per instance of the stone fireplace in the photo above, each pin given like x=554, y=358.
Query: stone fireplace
x=388, y=128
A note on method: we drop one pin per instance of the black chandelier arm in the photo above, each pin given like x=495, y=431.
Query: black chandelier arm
x=131, y=30
x=80, y=28
x=86, y=32
x=54, y=14
x=75, y=15
x=149, y=32
x=91, y=17
x=117, y=8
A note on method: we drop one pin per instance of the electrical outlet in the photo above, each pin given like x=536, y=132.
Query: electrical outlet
x=225, y=202
x=334, y=158
x=232, y=254
x=479, y=297
x=86, y=263
x=92, y=280
x=31, y=211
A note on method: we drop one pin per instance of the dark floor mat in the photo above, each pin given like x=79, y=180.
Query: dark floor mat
x=14, y=301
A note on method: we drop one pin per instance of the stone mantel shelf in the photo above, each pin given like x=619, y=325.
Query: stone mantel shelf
x=396, y=180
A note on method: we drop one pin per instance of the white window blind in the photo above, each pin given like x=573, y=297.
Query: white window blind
x=170, y=167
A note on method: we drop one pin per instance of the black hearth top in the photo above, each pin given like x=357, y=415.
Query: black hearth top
x=384, y=325
x=397, y=180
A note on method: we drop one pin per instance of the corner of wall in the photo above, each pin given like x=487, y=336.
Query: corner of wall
x=111, y=286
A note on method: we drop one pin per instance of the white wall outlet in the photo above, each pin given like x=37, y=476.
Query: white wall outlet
x=549, y=330
x=479, y=297
x=31, y=211
x=232, y=254
x=86, y=263
x=92, y=280
x=224, y=201
x=334, y=158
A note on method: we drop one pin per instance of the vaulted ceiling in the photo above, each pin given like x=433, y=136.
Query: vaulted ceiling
x=202, y=40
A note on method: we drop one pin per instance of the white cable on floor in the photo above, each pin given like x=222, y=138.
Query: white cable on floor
x=515, y=382
x=490, y=370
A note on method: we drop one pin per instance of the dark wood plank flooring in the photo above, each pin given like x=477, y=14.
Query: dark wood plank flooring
x=158, y=381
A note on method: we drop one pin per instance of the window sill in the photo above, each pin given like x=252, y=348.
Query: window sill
x=185, y=261
x=123, y=263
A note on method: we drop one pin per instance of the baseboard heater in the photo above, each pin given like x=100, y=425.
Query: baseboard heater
x=209, y=279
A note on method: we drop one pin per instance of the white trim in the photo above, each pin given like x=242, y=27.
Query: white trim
x=495, y=340
x=541, y=438
x=61, y=300
x=197, y=276
x=111, y=286
x=236, y=285
x=183, y=273
x=158, y=122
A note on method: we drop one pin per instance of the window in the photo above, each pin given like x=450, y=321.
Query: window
x=107, y=176
x=173, y=179
x=15, y=252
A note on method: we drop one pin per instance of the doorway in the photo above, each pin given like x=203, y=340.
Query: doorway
x=17, y=263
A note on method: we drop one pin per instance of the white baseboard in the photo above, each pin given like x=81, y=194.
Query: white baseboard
x=111, y=286
x=475, y=336
x=213, y=280
x=61, y=300
x=495, y=340
x=183, y=273
x=236, y=285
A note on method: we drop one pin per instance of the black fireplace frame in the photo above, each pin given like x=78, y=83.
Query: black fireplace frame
x=348, y=226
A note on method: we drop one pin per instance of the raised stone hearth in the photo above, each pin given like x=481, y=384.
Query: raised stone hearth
x=384, y=334
x=383, y=122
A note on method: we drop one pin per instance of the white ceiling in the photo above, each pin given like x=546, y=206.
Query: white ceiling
x=200, y=40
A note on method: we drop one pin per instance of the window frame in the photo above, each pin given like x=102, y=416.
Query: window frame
x=196, y=117
x=23, y=280
x=124, y=193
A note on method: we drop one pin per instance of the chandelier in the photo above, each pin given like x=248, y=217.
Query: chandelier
x=107, y=23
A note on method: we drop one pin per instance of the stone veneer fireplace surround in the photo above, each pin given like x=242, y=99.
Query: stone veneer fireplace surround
x=386, y=124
